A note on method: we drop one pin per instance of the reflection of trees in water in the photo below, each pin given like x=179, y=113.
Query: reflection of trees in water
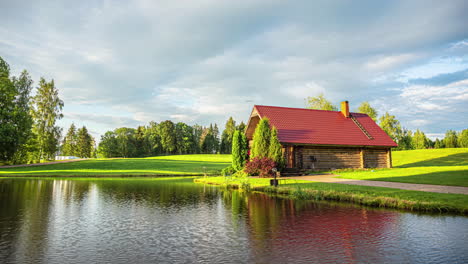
x=24, y=215
x=282, y=229
x=165, y=193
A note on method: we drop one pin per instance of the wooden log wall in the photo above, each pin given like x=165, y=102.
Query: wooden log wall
x=375, y=158
x=339, y=158
x=326, y=158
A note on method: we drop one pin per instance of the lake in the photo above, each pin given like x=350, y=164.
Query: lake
x=126, y=220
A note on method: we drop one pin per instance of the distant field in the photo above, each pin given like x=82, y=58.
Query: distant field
x=161, y=165
x=430, y=166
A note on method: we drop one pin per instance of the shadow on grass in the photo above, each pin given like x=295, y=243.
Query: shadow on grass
x=459, y=159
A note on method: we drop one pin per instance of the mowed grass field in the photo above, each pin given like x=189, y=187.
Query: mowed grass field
x=161, y=165
x=428, y=166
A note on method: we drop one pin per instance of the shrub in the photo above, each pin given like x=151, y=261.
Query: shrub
x=260, y=166
x=240, y=174
x=228, y=171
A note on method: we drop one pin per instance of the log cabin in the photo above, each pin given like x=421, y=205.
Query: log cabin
x=320, y=139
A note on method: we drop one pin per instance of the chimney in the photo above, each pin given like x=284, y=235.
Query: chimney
x=345, y=108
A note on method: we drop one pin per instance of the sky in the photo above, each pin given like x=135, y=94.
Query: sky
x=125, y=63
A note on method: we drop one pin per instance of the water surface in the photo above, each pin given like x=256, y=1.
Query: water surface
x=175, y=220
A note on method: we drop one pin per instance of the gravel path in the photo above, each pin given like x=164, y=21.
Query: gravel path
x=41, y=164
x=330, y=178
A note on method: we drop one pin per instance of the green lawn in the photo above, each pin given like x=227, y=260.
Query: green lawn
x=161, y=165
x=430, y=166
x=365, y=195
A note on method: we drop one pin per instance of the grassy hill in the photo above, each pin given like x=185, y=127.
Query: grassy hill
x=161, y=165
x=430, y=166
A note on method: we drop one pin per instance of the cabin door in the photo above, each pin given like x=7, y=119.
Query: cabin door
x=290, y=157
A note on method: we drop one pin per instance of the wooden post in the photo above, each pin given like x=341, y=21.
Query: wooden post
x=361, y=155
x=389, y=158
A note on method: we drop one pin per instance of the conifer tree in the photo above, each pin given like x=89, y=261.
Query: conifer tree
x=69, y=142
x=261, y=139
x=275, y=151
x=84, y=143
x=239, y=150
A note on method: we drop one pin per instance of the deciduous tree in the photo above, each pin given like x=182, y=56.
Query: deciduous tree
x=365, y=108
x=47, y=110
x=320, y=103
x=450, y=140
x=463, y=139
x=420, y=141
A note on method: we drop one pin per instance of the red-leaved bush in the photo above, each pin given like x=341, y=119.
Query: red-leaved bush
x=260, y=166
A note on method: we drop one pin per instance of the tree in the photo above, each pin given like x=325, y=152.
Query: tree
x=320, y=103
x=420, y=141
x=142, y=148
x=439, y=144
x=108, y=145
x=47, y=109
x=275, y=151
x=23, y=119
x=405, y=139
x=153, y=139
x=227, y=136
x=126, y=142
x=84, y=143
x=365, y=108
x=463, y=139
x=167, y=135
x=69, y=142
x=208, y=141
x=216, y=138
x=261, y=139
x=390, y=125
x=241, y=127
x=450, y=139
x=197, y=137
x=184, y=138
x=8, y=138
x=239, y=150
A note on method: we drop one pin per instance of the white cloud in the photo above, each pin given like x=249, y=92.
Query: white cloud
x=381, y=63
x=201, y=62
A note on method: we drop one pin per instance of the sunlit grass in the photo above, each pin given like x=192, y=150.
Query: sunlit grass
x=429, y=166
x=161, y=165
x=365, y=195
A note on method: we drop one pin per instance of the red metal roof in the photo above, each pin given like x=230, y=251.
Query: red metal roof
x=307, y=126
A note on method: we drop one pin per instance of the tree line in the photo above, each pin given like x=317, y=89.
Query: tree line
x=78, y=143
x=28, y=131
x=405, y=138
x=167, y=138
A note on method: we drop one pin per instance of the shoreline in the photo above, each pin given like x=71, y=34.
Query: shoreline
x=106, y=176
x=379, y=197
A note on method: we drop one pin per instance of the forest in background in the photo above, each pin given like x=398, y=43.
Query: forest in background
x=29, y=134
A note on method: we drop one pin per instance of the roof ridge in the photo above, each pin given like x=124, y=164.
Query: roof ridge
x=297, y=108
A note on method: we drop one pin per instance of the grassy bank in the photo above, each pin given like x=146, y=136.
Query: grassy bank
x=364, y=195
x=429, y=166
x=161, y=165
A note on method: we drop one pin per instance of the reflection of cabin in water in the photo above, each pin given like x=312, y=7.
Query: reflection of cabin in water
x=319, y=139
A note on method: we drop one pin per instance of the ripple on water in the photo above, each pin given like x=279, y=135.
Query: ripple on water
x=145, y=221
